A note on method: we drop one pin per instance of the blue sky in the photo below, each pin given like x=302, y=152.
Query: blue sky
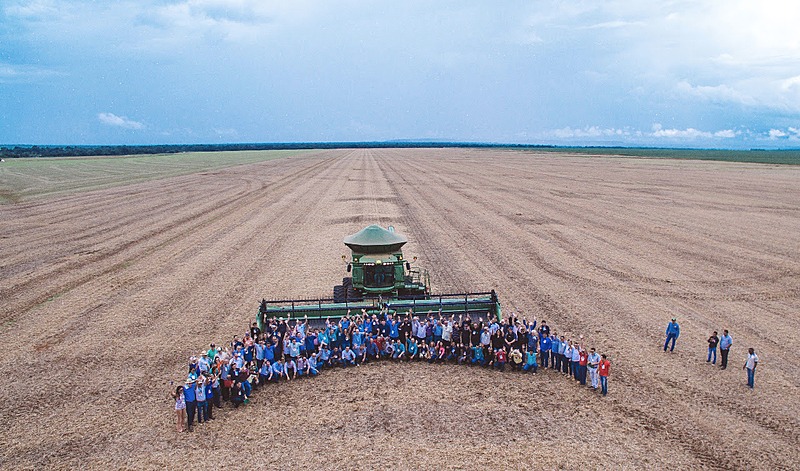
x=666, y=73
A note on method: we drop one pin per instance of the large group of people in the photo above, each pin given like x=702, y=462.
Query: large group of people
x=285, y=350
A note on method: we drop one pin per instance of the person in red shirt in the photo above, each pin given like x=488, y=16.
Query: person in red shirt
x=603, y=369
x=500, y=359
x=582, y=365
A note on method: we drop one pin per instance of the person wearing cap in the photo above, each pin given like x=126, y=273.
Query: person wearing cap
x=200, y=394
x=725, y=347
x=603, y=369
x=750, y=365
x=673, y=332
x=191, y=401
x=593, y=364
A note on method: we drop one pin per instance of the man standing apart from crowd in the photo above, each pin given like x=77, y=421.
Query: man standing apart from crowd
x=725, y=347
x=712, y=348
x=673, y=332
x=750, y=366
x=603, y=369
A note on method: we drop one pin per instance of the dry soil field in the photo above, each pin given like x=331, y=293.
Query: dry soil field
x=106, y=293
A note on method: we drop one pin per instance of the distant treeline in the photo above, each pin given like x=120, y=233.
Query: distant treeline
x=77, y=151
x=788, y=156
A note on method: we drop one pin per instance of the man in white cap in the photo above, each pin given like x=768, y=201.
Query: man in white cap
x=191, y=401
x=673, y=332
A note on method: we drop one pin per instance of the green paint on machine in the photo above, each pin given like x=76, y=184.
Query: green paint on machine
x=381, y=279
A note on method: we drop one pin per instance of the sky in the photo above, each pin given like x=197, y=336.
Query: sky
x=717, y=74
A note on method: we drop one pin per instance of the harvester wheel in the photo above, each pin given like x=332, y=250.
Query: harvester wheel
x=338, y=294
x=347, y=282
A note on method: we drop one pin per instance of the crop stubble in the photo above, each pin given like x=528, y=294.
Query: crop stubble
x=105, y=294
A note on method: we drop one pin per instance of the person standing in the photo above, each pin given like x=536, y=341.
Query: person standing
x=544, y=350
x=725, y=347
x=750, y=366
x=594, y=363
x=712, y=348
x=180, y=409
x=583, y=360
x=191, y=401
x=673, y=332
x=603, y=370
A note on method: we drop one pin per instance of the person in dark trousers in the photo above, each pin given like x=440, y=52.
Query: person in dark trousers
x=725, y=347
x=712, y=348
x=191, y=401
x=673, y=332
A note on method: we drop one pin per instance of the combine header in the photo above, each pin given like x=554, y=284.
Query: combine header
x=381, y=281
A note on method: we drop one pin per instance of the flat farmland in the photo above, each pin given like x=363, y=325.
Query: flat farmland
x=105, y=293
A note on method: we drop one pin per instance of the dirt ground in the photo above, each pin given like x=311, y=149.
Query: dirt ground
x=105, y=294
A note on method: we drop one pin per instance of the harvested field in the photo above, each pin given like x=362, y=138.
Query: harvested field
x=105, y=293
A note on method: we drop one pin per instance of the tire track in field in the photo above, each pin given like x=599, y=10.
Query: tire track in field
x=96, y=211
x=153, y=320
x=478, y=218
x=200, y=219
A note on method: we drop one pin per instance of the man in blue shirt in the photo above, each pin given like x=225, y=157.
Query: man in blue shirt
x=191, y=401
x=555, y=350
x=725, y=347
x=544, y=348
x=278, y=371
x=673, y=332
x=348, y=357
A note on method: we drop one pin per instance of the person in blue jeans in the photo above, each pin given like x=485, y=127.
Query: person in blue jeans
x=750, y=366
x=712, y=348
x=673, y=332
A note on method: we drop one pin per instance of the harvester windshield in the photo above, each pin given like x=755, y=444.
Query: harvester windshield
x=378, y=276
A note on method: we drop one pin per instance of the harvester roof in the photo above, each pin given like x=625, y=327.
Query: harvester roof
x=375, y=239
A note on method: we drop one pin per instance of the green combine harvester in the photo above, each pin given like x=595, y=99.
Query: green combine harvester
x=381, y=281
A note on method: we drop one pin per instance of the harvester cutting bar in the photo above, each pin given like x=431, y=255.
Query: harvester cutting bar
x=468, y=304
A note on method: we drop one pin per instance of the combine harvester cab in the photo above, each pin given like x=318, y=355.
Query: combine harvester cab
x=381, y=281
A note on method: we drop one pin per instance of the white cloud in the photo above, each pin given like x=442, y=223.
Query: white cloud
x=588, y=131
x=718, y=93
x=119, y=121
x=24, y=73
x=688, y=133
x=726, y=134
x=776, y=134
x=692, y=133
x=614, y=24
